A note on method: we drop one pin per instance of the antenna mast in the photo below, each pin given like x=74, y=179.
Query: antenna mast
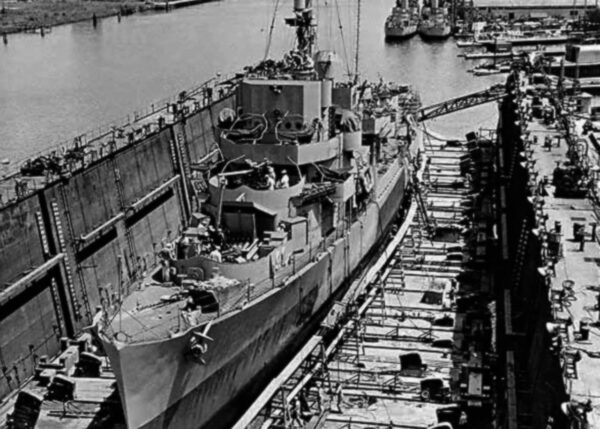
x=270, y=37
x=356, y=56
x=305, y=24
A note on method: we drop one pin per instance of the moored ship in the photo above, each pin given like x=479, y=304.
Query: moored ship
x=312, y=177
x=435, y=22
x=403, y=21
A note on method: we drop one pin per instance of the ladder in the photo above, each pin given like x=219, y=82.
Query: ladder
x=71, y=230
x=182, y=195
x=57, y=306
x=184, y=154
x=127, y=230
x=53, y=285
x=186, y=169
x=512, y=166
x=42, y=231
x=62, y=246
x=422, y=206
x=520, y=254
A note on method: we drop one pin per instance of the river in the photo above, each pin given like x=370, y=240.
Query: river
x=79, y=77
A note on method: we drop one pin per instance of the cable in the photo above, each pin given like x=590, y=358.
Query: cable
x=270, y=36
x=356, y=58
x=348, y=70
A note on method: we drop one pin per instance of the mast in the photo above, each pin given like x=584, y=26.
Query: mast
x=357, y=53
x=305, y=24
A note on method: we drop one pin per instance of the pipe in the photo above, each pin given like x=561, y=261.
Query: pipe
x=105, y=225
x=204, y=158
x=21, y=285
x=222, y=189
x=135, y=206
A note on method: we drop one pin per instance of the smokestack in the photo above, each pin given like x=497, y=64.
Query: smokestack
x=434, y=4
x=404, y=4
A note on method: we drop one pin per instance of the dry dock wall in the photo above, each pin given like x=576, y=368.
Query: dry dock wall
x=18, y=226
x=60, y=247
x=539, y=386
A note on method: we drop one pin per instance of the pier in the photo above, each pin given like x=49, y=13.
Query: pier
x=175, y=4
x=553, y=252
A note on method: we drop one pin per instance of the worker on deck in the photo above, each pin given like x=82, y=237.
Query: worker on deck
x=215, y=255
x=339, y=398
x=183, y=248
x=166, y=271
x=305, y=412
x=284, y=181
x=219, y=237
x=296, y=421
x=270, y=178
x=322, y=399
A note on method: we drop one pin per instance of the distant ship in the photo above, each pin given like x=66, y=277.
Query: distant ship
x=403, y=21
x=311, y=180
x=435, y=22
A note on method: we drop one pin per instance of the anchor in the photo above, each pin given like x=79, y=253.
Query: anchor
x=198, y=345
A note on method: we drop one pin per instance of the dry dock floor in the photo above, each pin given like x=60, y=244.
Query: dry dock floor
x=374, y=393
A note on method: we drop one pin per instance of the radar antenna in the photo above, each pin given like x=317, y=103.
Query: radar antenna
x=305, y=24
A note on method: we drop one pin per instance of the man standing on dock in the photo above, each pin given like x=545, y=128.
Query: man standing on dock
x=296, y=421
x=339, y=397
x=321, y=397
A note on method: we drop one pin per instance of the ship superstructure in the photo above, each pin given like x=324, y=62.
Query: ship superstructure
x=403, y=20
x=435, y=21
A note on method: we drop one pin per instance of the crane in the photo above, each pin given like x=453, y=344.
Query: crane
x=493, y=93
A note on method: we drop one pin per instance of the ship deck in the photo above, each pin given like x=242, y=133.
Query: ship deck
x=357, y=380
x=148, y=315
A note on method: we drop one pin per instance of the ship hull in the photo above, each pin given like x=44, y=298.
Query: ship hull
x=161, y=388
x=400, y=33
x=435, y=33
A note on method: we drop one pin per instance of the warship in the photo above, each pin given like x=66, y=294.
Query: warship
x=307, y=186
x=435, y=22
x=189, y=249
x=403, y=21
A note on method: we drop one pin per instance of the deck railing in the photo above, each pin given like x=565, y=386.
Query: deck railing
x=102, y=141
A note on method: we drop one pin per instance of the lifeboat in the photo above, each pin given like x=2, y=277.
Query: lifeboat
x=247, y=127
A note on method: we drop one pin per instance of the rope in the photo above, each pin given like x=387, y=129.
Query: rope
x=356, y=57
x=270, y=36
x=348, y=71
x=428, y=137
